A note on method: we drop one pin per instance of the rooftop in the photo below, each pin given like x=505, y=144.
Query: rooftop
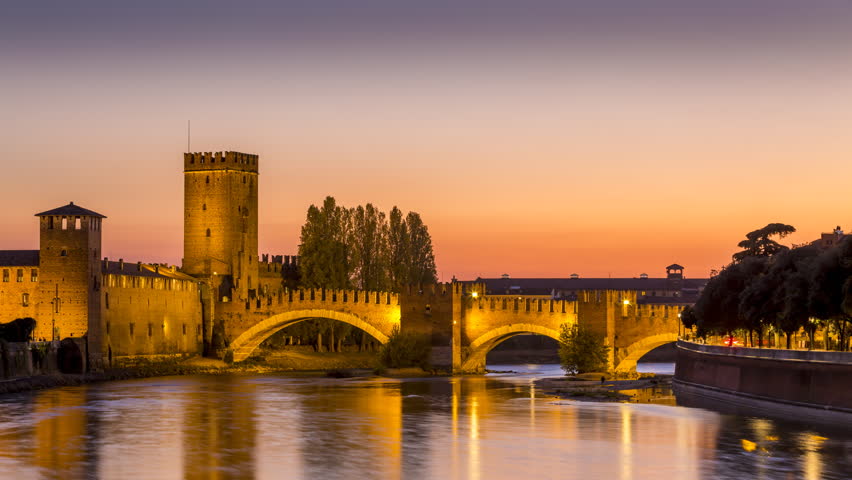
x=70, y=210
x=19, y=258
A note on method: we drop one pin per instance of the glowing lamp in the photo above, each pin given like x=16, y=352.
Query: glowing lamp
x=627, y=302
x=474, y=294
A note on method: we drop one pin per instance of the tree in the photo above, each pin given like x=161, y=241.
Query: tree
x=791, y=269
x=421, y=259
x=828, y=293
x=18, y=330
x=325, y=256
x=369, y=241
x=581, y=351
x=398, y=249
x=759, y=244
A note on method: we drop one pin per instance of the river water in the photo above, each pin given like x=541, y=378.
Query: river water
x=494, y=427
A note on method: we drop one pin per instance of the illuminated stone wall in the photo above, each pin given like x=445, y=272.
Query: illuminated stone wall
x=248, y=323
x=150, y=315
x=20, y=299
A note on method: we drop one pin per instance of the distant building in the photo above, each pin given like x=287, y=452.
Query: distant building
x=830, y=239
x=671, y=289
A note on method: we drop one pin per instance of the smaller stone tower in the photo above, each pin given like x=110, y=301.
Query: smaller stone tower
x=70, y=275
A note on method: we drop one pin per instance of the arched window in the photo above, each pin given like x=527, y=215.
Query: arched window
x=208, y=232
x=204, y=206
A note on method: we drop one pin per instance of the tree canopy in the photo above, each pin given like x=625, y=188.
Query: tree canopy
x=758, y=243
x=770, y=286
x=364, y=248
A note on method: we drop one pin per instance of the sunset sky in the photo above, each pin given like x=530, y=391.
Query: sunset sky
x=535, y=138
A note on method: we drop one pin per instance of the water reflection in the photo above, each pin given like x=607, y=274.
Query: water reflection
x=472, y=428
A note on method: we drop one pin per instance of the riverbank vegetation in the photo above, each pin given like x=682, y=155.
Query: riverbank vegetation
x=770, y=289
x=405, y=349
x=581, y=350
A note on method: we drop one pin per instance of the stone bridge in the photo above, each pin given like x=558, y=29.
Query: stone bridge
x=248, y=324
x=463, y=322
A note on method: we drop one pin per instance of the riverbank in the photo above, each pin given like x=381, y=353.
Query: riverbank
x=589, y=388
x=313, y=364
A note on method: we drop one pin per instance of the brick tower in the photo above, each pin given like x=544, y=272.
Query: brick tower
x=70, y=274
x=220, y=222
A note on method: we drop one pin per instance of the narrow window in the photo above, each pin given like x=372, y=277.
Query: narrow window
x=208, y=179
x=208, y=232
x=63, y=253
x=64, y=223
x=78, y=223
x=204, y=206
x=5, y=275
x=150, y=330
x=184, y=329
x=244, y=179
x=33, y=275
x=107, y=328
x=20, y=277
x=132, y=328
x=106, y=300
x=25, y=299
x=50, y=223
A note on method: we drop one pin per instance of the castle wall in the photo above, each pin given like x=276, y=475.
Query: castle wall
x=20, y=299
x=484, y=314
x=379, y=309
x=150, y=316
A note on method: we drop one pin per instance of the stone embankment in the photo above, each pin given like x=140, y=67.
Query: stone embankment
x=800, y=383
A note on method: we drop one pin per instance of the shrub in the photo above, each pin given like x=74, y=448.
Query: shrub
x=405, y=350
x=581, y=351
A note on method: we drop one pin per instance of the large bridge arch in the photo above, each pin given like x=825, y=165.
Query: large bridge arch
x=474, y=362
x=638, y=349
x=248, y=341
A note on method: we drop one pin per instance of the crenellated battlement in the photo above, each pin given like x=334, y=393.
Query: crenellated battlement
x=287, y=299
x=204, y=161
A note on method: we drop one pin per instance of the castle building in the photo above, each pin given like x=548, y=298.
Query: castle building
x=127, y=309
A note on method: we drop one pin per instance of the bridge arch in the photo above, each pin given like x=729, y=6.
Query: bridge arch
x=248, y=341
x=474, y=362
x=638, y=349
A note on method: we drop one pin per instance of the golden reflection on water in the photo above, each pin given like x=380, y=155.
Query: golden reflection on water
x=812, y=459
x=219, y=434
x=471, y=428
x=626, y=443
x=60, y=433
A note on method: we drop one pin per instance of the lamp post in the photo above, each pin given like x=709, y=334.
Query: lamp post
x=57, y=302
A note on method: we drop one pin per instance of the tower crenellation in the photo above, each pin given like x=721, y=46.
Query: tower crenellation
x=198, y=161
